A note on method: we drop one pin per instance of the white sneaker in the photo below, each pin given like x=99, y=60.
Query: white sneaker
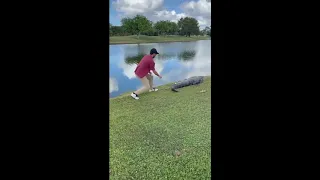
x=134, y=96
x=153, y=90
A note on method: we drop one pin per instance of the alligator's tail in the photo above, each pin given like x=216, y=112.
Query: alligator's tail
x=174, y=90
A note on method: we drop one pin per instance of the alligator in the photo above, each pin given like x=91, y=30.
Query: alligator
x=187, y=82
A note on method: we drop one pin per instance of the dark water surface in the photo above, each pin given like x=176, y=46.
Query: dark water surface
x=176, y=61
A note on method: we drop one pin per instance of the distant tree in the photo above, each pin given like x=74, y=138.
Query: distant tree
x=173, y=28
x=180, y=26
x=150, y=32
x=202, y=32
x=188, y=26
x=117, y=31
x=166, y=27
x=162, y=27
x=206, y=31
x=143, y=24
x=137, y=25
x=110, y=29
x=128, y=25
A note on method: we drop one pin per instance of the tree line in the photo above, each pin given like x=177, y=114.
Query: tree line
x=140, y=25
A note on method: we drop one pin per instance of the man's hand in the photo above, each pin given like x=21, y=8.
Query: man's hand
x=157, y=74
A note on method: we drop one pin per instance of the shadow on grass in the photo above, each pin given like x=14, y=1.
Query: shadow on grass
x=157, y=139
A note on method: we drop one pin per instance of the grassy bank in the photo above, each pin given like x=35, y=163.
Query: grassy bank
x=152, y=39
x=163, y=135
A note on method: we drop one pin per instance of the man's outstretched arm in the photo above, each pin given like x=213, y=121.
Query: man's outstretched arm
x=156, y=73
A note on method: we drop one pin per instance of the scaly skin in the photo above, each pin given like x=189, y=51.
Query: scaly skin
x=187, y=82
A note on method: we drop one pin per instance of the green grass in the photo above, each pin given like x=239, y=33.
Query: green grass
x=153, y=39
x=146, y=134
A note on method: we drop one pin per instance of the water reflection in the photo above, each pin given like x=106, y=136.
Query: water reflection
x=187, y=55
x=166, y=56
x=176, y=61
x=113, y=85
x=134, y=59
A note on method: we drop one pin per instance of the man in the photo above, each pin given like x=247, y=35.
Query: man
x=143, y=73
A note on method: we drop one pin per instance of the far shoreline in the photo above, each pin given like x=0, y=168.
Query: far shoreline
x=117, y=43
x=116, y=40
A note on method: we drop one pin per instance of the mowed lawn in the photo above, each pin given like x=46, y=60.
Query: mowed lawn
x=153, y=39
x=163, y=135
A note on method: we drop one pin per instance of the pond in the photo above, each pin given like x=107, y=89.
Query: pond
x=176, y=61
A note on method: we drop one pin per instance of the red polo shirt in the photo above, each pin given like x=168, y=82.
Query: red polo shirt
x=145, y=66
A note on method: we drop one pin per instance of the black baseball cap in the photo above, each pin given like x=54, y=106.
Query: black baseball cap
x=153, y=51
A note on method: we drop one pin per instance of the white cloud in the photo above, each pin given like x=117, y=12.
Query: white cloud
x=113, y=85
x=198, y=8
x=128, y=70
x=133, y=7
x=203, y=22
x=155, y=11
x=201, y=10
x=167, y=15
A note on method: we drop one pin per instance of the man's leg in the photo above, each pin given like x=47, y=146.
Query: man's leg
x=145, y=87
x=150, y=79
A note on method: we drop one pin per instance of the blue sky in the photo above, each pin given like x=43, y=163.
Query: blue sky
x=157, y=10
